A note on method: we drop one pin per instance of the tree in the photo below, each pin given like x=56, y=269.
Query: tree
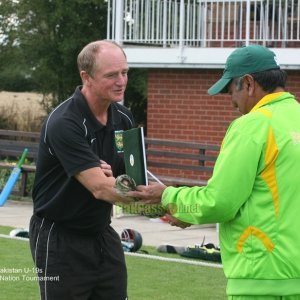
x=136, y=95
x=13, y=74
x=40, y=43
x=51, y=34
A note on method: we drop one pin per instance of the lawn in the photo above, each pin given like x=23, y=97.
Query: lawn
x=148, y=278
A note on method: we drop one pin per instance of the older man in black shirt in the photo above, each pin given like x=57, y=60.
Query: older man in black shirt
x=77, y=253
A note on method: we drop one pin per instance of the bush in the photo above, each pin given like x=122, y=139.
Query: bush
x=5, y=173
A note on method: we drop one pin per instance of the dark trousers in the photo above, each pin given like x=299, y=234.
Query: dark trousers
x=71, y=266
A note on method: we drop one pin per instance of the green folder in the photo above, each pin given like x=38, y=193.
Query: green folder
x=135, y=155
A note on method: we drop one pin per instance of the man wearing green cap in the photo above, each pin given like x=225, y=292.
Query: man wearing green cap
x=254, y=192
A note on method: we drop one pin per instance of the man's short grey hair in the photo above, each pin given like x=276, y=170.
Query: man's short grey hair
x=86, y=60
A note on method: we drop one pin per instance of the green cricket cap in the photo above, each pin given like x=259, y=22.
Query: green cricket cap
x=245, y=60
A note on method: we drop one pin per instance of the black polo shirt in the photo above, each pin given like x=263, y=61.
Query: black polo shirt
x=72, y=140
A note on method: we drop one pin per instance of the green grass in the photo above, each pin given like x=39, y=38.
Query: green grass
x=151, y=279
x=147, y=278
x=5, y=229
x=17, y=281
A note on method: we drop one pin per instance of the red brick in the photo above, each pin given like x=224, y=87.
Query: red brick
x=179, y=107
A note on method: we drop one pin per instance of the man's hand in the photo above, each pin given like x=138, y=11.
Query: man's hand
x=151, y=194
x=148, y=194
x=99, y=182
x=175, y=222
x=106, y=168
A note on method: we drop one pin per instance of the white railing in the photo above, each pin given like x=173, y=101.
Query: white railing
x=204, y=23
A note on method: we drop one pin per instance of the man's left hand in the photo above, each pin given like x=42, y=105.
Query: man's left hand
x=175, y=222
x=148, y=194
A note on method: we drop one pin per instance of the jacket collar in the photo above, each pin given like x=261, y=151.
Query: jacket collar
x=271, y=98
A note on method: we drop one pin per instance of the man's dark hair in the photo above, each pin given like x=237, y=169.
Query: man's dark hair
x=271, y=79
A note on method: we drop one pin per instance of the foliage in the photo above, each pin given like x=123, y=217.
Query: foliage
x=136, y=95
x=51, y=34
x=40, y=42
x=13, y=71
x=5, y=173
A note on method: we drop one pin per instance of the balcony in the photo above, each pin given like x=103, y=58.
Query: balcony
x=202, y=33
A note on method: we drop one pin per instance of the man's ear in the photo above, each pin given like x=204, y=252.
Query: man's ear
x=85, y=77
x=250, y=84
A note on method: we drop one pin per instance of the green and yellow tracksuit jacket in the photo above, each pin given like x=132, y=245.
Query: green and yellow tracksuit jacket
x=254, y=193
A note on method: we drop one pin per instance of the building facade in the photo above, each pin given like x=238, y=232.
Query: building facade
x=184, y=45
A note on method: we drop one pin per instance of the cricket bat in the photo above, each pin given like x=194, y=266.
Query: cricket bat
x=14, y=176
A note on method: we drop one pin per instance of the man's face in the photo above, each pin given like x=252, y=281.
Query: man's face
x=109, y=80
x=240, y=91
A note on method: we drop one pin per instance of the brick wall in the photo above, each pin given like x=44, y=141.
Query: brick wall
x=179, y=107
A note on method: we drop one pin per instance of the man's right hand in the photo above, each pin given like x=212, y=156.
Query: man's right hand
x=148, y=194
x=106, y=168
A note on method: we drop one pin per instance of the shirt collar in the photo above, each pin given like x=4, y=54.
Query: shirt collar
x=113, y=115
x=270, y=98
